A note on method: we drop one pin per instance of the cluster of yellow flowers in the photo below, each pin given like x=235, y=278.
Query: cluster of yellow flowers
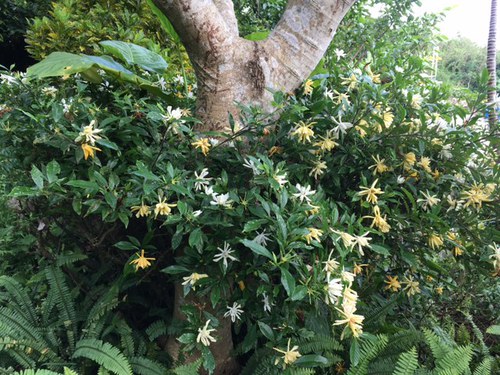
x=394, y=285
x=161, y=208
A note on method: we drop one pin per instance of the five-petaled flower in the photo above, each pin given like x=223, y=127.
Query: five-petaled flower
x=163, y=208
x=304, y=193
x=371, y=192
x=141, y=261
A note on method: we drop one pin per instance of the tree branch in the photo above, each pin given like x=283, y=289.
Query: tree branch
x=202, y=27
x=301, y=38
x=226, y=9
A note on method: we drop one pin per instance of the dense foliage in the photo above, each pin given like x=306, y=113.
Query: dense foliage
x=356, y=231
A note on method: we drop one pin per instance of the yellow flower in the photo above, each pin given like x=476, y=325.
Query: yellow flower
x=314, y=234
x=308, y=88
x=289, y=355
x=412, y=287
x=89, y=150
x=371, y=192
x=303, y=131
x=351, y=320
x=163, y=208
x=439, y=290
x=379, y=221
x=360, y=130
x=350, y=82
x=193, y=278
x=203, y=144
x=142, y=210
x=318, y=169
x=358, y=268
x=425, y=163
x=387, y=118
x=435, y=241
x=141, y=261
x=327, y=143
x=436, y=174
x=429, y=279
x=410, y=160
x=379, y=166
x=454, y=238
x=476, y=196
x=393, y=284
x=275, y=150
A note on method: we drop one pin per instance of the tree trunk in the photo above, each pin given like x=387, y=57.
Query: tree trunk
x=491, y=63
x=231, y=70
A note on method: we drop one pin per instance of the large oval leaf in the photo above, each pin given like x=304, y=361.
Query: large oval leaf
x=133, y=54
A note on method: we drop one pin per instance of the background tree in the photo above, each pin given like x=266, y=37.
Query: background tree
x=491, y=64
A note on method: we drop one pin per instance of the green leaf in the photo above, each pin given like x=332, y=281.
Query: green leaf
x=196, y=238
x=266, y=330
x=104, y=354
x=133, y=54
x=91, y=185
x=53, y=169
x=253, y=225
x=379, y=249
x=494, y=330
x=58, y=64
x=37, y=177
x=311, y=360
x=165, y=23
x=354, y=353
x=187, y=338
x=288, y=281
x=23, y=191
x=174, y=270
x=125, y=245
x=257, y=249
x=299, y=293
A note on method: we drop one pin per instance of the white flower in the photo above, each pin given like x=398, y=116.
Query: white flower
x=445, y=152
x=304, y=193
x=250, y=164
x=454, y=204
x=495, y=256
x=361, y=241
x=204, y=334
x=347, y=239
x=162, y=83
x=329, y=94
x=50, y=90
x=267, y=304
x=221, y=200
x=245, y=10
x=399, y=69
x=339, y=53
x=202, y=180
x=280, y=179
x=261, y=238
x=179, y=79
x=330, y=265
x=213, y=142
x=209, y=190
x=225, y=254
x=193, y=278
x=88, y=135
x=234, y=312
x=428, y=200
x=66, y=105
x=9, y=80
x=341, y=127
x=400, y=180
x=197, y=213
x=173, y=114
x=347, y=276
x=334, y=290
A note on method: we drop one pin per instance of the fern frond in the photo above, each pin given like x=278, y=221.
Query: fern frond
x=21, y=298
x=298, y=371
x=105, y=304
x=21, y=357
x=319, y=343
x=370, y=348
x=457, y=360
x=48, y=306
x=479, y=335
x=145, y=366
x=65, y=259
x=16, y=326
x=7, y=344
x=407, y=363
x=438, y=348
x=104, y=354
x=156, y=329
x=36, y=372
x=64, y=301
x=484, y=368
x=68, y=371
x=189, y=369
x=377, y=313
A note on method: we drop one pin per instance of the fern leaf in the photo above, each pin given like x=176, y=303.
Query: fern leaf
x=145, y=366
x=65, y=259
x=102, y=306
x=68, y=371
x=484, y=368
x=156, y=329
x=36, y=372
x=407, y=363
x=370, y=348
x=457, y=360
x=189, y=369
x=20, y=297
x=16, y=326
x=298, y=371
x=320, y=343
x=64, y=301
x=104, y=354
x=438, y=348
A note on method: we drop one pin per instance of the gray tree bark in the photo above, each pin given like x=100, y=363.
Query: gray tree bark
x=230, y=69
